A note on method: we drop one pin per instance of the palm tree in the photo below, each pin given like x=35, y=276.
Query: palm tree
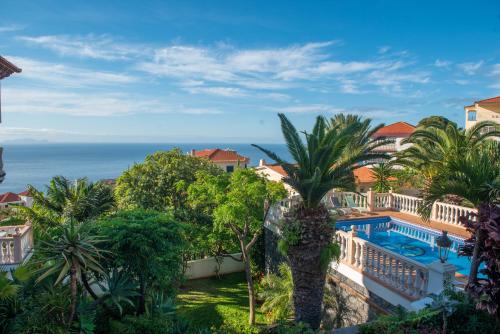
x=438, y=140
x=322, y=163
x=382, y=172
x=474, y=177
x=72, y=253
x=65, y=199
x=454, y=162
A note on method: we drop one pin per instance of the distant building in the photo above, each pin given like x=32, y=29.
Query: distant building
x=273, y=172
x=227, y=159
x=484, y=110
x=6, y=69
x=396, y=131
x=26, y=198
x=10, y=198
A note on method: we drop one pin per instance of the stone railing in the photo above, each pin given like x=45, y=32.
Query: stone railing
x=449, y=213
x=398, y=273
x=406, y=204
x=441, y=212
x=16, y=243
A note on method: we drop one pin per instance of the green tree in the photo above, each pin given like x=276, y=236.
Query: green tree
x=72, y=253
x=161, y=181
x=383, y=174
x=474, y=177
x=454, y=162
x=148, y=246
x=64, y=199
x=238, y=202
x=322, y=163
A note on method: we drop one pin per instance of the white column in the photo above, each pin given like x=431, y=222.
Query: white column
x=439, y=273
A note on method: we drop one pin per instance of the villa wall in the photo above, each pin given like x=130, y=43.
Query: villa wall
x=209, y=267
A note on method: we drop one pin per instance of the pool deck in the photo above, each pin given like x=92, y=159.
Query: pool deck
x=456, y=230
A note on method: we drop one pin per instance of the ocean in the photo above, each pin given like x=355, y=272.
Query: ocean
x=36, y=164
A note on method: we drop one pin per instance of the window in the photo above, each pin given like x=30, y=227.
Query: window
x=229, y=169
x=471, y=115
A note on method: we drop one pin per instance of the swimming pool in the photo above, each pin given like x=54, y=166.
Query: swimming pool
x=413, y=241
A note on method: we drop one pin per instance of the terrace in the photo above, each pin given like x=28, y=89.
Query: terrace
x=16, y=245
x=388, y=250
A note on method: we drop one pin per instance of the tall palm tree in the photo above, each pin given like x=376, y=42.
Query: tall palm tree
x=322, y=163
x=65, y=199
x=72, y=253
x=474, y=177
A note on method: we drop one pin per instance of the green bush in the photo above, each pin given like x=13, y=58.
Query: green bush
x=158, y=324
x=464, y=319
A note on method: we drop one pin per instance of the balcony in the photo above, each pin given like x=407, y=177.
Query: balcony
x=16, y=245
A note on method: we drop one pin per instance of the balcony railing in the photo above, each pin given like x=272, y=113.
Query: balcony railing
x=16, y=243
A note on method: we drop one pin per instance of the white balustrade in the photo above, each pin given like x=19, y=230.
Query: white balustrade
x=383, y=201
x=16, y=242
x=449, y=213
x=406, y=204
x=399, y=273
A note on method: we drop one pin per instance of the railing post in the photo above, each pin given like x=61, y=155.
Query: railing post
x=18, y=250
x=370, y=200
x=440, y=274
x=391, y=200
x=351, y=244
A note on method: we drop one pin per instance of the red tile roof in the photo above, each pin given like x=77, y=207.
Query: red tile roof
x=218, y=155
x=490, y=100
x=9, y=198
x=7, y=68
x=399, y=129
x=365, y=175
x=24, y=193
x=277, y=168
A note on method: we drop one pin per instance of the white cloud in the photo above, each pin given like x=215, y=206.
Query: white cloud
x=383, y=49
x=95, y=103
x=10, y=28
x=442, y=63
x=65, y=75
x=309, y=108
x=220, y=91
x=470, y=68
x=89, y=46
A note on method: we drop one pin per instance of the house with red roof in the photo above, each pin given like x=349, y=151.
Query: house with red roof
x=226, y=159
x=397, y=132
x=273, y=172
x=483, y=110
x=10, y=198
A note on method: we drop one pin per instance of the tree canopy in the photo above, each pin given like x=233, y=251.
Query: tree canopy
x=161, y=181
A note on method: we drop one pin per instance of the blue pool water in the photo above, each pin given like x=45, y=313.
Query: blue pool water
x=412, y=241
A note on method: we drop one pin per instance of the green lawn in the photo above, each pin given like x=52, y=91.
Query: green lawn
x=210, y=302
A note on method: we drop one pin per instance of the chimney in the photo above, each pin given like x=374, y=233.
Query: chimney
x=192, y=152
x=262, y=162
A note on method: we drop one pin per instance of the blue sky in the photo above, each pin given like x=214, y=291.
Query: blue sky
x=220, y=71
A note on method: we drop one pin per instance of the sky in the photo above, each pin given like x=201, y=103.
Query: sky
x=220, y=71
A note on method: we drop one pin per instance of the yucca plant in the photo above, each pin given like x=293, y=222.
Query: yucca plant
x=322, y=162
x=70, y=254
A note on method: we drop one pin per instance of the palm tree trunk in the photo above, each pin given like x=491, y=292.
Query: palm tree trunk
x=475, y=263
x=305, y=261
x=74, y=291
